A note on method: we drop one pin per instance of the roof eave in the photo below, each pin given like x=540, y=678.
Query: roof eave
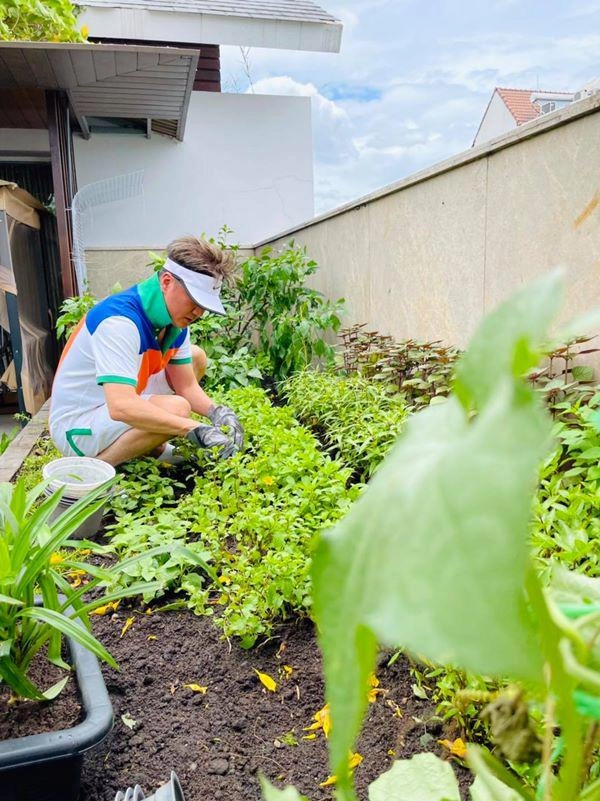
x=106, y=80
x=222, y=29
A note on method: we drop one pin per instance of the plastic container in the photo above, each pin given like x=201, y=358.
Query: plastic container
x=47, y=767
x=79, y=475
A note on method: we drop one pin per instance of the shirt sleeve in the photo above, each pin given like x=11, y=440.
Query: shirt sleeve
x=183, y=354
x=116, y=351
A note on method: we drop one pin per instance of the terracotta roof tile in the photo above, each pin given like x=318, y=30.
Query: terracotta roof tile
x=518, y=102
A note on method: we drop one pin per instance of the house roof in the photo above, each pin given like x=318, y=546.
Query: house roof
x=518, y=102
x=114, y=81
x=298, y=10
x=282, y=24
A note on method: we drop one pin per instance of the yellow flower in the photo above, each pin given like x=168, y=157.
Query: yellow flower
x=268, y=481
x=56, y=559
x=85, y=31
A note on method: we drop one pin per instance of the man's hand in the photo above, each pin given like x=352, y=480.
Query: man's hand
x=204, y=436
x=224, y=416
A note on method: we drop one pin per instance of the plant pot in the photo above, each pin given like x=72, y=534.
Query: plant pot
x=47, y=767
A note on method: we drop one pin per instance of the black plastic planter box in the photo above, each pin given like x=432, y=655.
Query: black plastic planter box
x=47, y=767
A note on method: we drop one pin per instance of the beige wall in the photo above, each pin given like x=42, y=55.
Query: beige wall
x=427, y=257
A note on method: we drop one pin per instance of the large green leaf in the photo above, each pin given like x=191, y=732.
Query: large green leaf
x=434, y=555
x=487, y=785
x=271, y=793
x=425, y=777
x=506, y=342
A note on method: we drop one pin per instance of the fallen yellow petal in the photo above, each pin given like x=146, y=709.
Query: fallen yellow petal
x=196, y=688
x=148, y=611
x=152, y=637
x=456, y=747
x=309, y=736
x=322, y=720
x=355, y=760
x=328, y=781
x=127, y=626
x=287, y=671
x=76, y=573
x=111, y=606
x=266, y=680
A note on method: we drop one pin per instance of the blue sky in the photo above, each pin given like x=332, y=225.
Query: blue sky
x=413, y=79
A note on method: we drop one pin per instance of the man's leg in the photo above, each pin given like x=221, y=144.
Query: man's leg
x=140, y=443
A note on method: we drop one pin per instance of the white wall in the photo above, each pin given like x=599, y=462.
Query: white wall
x=496, y=121
x=246, y=161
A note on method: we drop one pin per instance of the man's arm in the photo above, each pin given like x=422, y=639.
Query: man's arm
x=125, y=405
x=182, y=379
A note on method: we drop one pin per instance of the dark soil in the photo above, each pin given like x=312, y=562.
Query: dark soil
x=21, y=717
x=218, y=742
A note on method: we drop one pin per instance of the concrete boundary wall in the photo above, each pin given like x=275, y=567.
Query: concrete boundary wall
x=428, y=256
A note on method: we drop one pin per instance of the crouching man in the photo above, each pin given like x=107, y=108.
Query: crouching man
x=128, y=377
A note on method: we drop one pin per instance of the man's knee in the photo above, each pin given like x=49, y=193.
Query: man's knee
x=199, y=362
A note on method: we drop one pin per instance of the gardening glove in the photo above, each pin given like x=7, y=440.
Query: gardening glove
x=224, y=416
x=204, y=436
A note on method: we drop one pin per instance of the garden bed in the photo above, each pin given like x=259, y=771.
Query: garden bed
x=218, y=741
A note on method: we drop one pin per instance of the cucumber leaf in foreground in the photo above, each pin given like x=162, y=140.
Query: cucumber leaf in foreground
x=434, y=555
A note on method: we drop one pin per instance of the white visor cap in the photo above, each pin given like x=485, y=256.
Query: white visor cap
x=203, y=289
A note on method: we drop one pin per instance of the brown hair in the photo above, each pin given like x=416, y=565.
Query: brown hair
x=201, y=256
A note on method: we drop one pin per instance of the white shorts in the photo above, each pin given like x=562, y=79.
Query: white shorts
x=93, y=431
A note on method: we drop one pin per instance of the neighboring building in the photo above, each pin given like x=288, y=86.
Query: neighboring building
x=509, y=108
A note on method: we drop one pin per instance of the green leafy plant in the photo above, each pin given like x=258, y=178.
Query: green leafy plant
x=71, y=312
x=446, y=517
x=273, y=315
x=35, y=558
x=251, y=518
x=357, y=419
x=420, y=371
x=52, y=20
x=561, y=379
x=7, y=438
x=566, y=513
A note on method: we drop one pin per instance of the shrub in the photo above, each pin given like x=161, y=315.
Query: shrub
x=30, y=20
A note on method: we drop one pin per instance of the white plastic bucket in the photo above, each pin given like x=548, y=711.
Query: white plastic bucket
x=79, y=475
